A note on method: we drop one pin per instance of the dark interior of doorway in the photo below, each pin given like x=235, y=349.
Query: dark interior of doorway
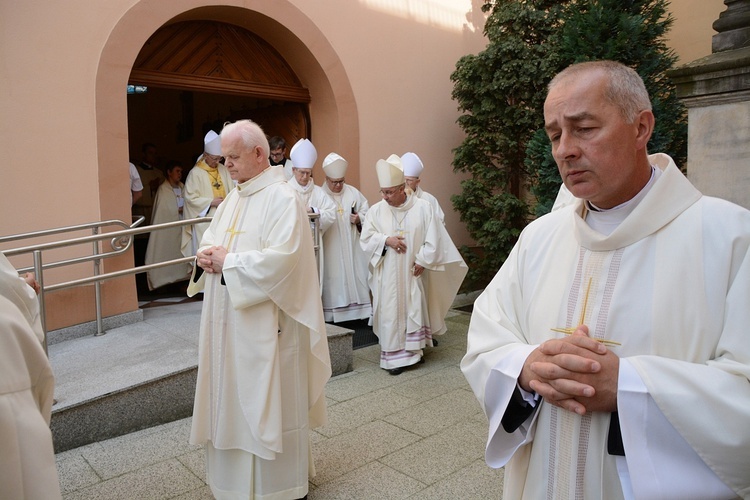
x=176, y=122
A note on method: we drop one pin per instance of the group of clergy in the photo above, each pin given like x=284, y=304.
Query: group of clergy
x=405, y=294
x=359, y=279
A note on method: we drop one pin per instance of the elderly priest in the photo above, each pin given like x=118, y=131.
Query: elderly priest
x=263, y=355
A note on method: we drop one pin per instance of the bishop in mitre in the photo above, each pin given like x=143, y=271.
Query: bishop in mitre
x=206, y=185
x=346, y=294
x=403, y=239
x=413, y=168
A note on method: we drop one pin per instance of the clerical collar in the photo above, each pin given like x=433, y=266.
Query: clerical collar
x=243, y=185
x=304, y=189
x=606, y=220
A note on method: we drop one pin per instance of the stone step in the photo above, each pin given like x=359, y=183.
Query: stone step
x=137, y=375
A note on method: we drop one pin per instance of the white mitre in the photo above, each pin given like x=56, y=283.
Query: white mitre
x=212, y=143
x=335, y=166
x=390, y=172
x=303, y=154
x=412, y=165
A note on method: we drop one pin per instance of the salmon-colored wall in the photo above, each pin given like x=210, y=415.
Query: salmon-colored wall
x=378, y=72
x=691, y=33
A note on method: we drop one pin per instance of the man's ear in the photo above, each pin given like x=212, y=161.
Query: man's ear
x=645, y=122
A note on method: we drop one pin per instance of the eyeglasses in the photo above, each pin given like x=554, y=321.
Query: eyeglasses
x=302, y=172
x=276, y=155
x=212, y=157
x=339, y=182
x=390, y=192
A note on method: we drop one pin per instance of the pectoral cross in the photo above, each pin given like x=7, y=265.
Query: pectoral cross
x=340, y=210
x=569, y=331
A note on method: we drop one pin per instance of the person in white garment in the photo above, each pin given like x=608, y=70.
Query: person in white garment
x=27, y=457
x=346, y=294
x=136, y=186
x=611, y=352
x=263, y=352
x=403, y=239
x=303, y=156
x=413, y=168
x=206, y=185
x=165, y=244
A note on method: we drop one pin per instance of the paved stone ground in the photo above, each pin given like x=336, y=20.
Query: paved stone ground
x=418, y=435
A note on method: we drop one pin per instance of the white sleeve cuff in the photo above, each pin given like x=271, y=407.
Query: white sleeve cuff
x=660, y=463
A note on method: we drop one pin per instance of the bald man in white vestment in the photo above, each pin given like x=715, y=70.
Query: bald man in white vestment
x=346, y=294
x=27, y=457
x=611, y=352
x=403, y=239
x=263, y=355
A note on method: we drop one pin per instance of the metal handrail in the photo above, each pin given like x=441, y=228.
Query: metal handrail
x=120, y=241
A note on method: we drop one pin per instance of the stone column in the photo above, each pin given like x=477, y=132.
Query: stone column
x=716, y=91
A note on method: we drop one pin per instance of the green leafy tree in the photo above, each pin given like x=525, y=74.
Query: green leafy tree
x=500, y=92
x=633, y=33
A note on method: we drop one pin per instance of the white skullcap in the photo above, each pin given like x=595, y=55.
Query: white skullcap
x=303, y=154
x=212, y=143
x=412, y=165
x=390, y=172
x=335, y=166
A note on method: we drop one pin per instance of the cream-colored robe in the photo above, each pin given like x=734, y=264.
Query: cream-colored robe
x=27, y=459
x=263, y=353
x=165, y=244
x=198, y=195
x=672, y=284
x=346, y=294
x=405, y=314
x=14, y=288
x=314, y=197
x=424, y=195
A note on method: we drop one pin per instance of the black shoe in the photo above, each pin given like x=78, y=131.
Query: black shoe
x=434, y=343
x=396, y=371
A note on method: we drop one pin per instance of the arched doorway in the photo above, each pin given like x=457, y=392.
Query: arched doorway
x=199, y=75
x=203, y=73
x=302, y=43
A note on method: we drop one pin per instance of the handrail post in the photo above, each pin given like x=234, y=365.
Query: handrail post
x=39, y=276
x=98, y=288
x=314, y=220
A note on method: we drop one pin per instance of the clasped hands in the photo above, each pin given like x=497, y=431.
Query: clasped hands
x=399, y=245
x=211, y=260
x=576, y=373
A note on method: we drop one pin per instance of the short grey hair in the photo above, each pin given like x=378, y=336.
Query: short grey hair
x=251, y=133
x=625, y=88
